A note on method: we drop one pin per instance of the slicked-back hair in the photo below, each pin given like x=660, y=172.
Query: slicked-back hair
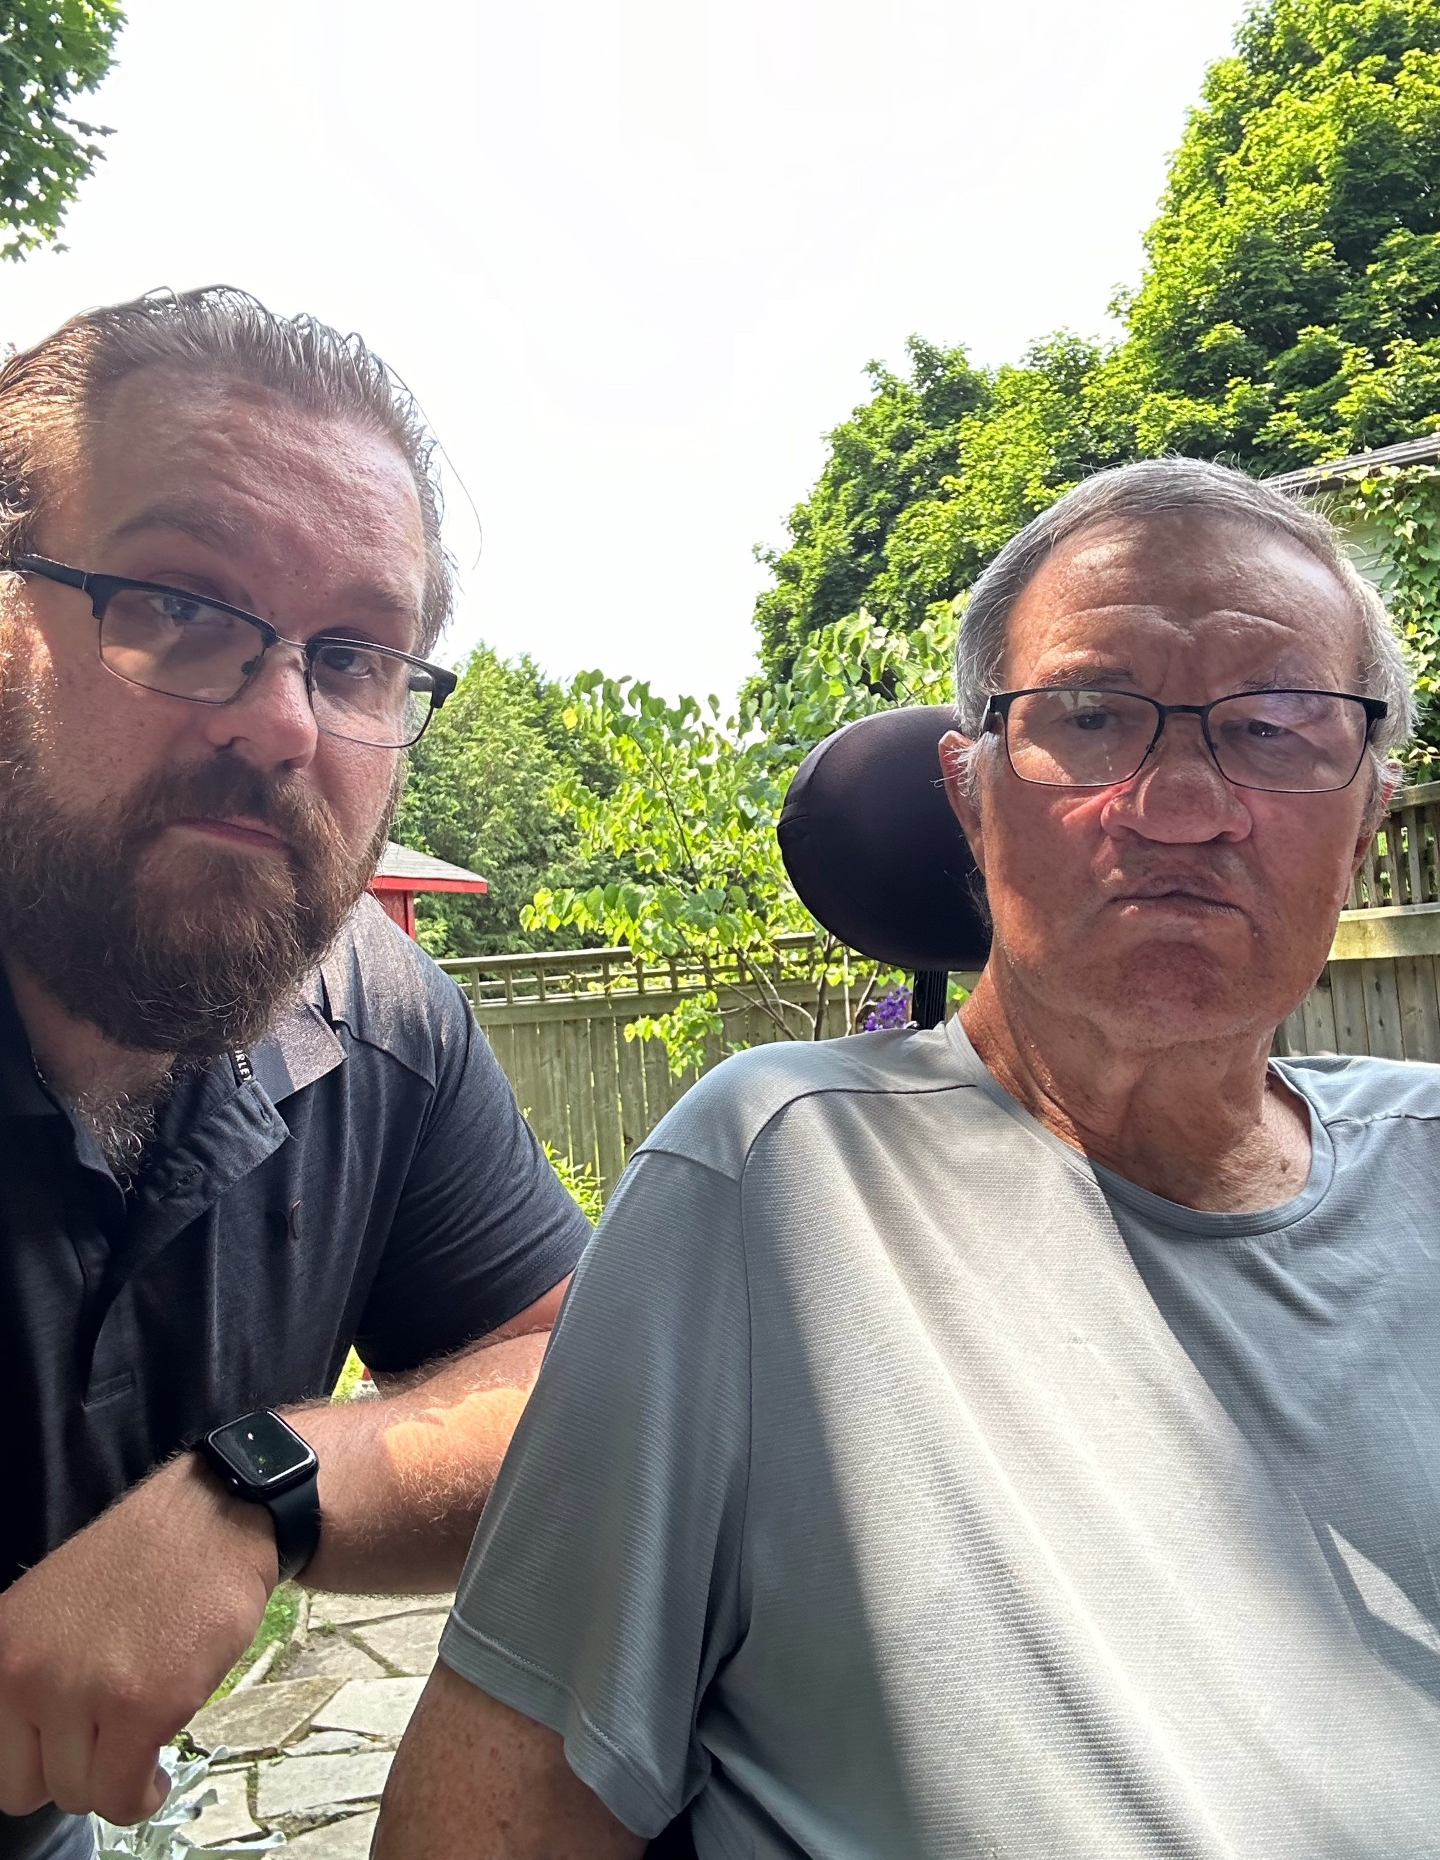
x=52, y=393
x=1167, y=485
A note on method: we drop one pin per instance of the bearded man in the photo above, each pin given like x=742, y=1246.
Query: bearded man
x=244, y=1121
x=1020, y=1437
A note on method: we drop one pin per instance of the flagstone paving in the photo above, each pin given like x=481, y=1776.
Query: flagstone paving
x=310, y=1745
x=348, y=1839
x=407, y=1644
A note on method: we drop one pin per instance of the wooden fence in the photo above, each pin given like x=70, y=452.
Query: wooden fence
x=557, y=1021
x=1380, y=991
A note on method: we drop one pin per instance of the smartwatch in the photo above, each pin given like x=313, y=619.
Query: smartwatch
x=262, y=1458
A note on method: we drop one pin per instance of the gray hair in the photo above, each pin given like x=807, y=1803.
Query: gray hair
x=49, y=393
x=1146, y=489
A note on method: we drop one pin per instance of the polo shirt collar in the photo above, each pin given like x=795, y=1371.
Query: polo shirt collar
x=21, y=1093
x=299, y=1047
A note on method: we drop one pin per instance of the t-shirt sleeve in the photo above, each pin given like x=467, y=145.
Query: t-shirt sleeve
x=483, y=1226
x=604, y=1585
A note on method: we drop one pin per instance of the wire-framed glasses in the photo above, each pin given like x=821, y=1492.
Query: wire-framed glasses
x=1284, y=742
x=167, y=640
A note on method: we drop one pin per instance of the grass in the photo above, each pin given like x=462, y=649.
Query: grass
x=349, y=1375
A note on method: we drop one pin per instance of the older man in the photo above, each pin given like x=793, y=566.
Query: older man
x=1023, y=1437
x=243, y=1120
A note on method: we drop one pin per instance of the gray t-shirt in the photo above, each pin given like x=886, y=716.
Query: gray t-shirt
x=898, y=1484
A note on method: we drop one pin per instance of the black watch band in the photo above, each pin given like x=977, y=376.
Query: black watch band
x=296, y=1514
x=263, y=1460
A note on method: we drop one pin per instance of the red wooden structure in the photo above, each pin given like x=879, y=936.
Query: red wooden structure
x=402, y=873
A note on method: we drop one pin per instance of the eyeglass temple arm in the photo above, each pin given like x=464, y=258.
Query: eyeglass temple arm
x=52, y=571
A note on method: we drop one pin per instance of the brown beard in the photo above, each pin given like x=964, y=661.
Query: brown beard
x=185, y=953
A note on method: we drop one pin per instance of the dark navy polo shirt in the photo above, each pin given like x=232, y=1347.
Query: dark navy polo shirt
x=373, y=1182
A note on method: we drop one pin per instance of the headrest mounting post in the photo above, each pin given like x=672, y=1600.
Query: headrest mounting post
x=927, y=1003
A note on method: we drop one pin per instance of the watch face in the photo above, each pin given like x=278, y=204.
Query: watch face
x=262, y=1449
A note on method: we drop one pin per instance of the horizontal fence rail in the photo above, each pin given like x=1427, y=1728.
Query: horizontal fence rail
x=557, y=1018
x=568, y=975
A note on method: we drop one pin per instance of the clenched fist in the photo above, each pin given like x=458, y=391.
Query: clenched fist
x=112, y=1643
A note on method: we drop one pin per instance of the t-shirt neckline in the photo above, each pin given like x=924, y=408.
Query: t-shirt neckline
x=1157, y=1211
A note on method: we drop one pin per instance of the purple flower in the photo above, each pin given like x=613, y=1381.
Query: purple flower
x=891, y=1010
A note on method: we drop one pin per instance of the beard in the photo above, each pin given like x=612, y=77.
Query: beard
x=185, y=950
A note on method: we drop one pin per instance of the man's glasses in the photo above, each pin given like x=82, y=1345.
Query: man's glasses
x=166, y=640
x=1285, y=742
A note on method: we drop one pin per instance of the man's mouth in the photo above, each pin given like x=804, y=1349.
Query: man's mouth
x=235, y=830
x=1191, y=892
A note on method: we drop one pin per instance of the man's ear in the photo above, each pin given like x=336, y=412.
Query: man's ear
x=955, y=751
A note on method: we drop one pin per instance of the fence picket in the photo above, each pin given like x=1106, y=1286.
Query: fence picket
x=1382, y=1010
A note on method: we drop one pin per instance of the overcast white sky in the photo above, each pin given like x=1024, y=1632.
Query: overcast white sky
x=633, y=255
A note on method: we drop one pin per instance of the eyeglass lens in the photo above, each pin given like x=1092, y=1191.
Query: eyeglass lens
x=1291, y=742
x=174, y=644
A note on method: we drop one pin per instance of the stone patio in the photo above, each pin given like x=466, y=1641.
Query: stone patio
x=311, y=1740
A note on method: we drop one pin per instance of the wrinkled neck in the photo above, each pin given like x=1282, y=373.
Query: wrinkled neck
x=1204, y=1122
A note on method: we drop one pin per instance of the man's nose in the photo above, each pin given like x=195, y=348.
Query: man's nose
x=271, y=721
x=1179, y=795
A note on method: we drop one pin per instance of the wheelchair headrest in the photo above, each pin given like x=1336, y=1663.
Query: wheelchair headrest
x=875, y=852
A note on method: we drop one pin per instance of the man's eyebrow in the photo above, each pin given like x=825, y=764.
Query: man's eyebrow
x=1080, y=674
x=201, y=522
x=220, y=529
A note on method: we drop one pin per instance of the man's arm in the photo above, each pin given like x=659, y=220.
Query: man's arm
x=402, y=1479
x=111, y=1643
x=474, y=1780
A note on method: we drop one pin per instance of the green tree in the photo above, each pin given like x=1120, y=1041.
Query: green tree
x=1290, y=308
x=925, y=481
x=51, y=51
x=1289, y=312
x=693, y=810
x=481, y=791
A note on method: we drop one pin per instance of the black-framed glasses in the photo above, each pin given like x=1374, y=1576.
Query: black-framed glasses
x=1284, y=742
x=168, y=640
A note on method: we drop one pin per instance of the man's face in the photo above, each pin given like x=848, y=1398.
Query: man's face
x=1172, y=906
x=161, y=858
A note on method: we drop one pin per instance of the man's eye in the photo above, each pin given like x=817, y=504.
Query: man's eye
x=346, y=661
x=1092, y=721
x=183, y=609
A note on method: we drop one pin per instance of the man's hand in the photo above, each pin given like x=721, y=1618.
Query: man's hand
x=112, y=1643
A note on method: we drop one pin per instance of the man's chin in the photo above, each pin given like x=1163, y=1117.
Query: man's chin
x=194, y=875
x=1174, y=994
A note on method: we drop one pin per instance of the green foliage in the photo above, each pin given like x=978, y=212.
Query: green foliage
x=1290, y=309
x=693, y=809
x=51, y=51
x=1396, y=517
x=481, y=792
x=1289, y=312
x=352, y=1371
x=580, y=1181
x=926, y=480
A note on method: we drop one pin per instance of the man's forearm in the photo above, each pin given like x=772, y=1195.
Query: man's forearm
x=403, y=1478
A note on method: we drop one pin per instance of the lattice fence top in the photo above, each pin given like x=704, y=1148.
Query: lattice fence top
x=1402, y=867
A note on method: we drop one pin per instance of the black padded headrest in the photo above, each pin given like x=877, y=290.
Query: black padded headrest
x=873, y=849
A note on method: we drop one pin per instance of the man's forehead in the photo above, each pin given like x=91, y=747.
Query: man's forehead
x=1184, y=574
x=165, y=430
